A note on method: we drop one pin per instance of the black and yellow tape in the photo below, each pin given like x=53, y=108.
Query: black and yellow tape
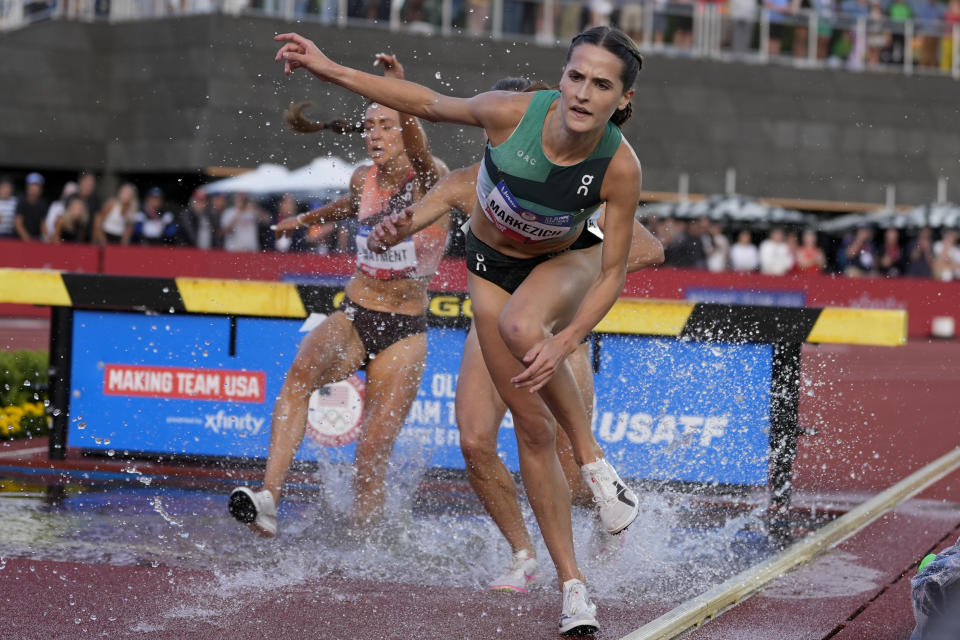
x=686, y=320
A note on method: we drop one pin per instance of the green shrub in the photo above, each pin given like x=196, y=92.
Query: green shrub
x=24, y=385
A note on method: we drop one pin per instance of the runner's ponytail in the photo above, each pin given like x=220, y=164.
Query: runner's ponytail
x=297, y=121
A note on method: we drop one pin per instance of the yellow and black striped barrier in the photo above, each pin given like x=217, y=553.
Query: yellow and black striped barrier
x=686, y=320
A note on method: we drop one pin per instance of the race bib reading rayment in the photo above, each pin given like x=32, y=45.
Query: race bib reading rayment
x=521, y=224
x=399, y=261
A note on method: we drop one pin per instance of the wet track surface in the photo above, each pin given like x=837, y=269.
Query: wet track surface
x=158, y=559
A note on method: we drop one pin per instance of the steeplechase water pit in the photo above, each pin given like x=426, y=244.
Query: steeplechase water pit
x=162, y=405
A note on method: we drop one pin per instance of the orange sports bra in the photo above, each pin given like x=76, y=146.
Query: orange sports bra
x=415, y=257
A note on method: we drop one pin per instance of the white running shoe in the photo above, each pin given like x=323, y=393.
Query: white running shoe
x=578, y=617
x=255, y=509
x=522, y=571
x=619, y=505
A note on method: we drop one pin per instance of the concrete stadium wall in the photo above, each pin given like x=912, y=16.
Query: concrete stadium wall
x=184, y=94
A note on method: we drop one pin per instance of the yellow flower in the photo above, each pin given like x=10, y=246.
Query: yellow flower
x=33, y=409
x=15, y=413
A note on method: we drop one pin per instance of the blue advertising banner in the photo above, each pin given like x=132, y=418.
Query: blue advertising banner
x=760, y=297
x=665, y=409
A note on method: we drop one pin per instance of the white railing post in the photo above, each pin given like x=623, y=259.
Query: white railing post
x=496, y=27
x=395, y=8
x=547, y=34
x=764, y=35
x=342, y=13
x=956, y=51
x=942, y=189
x=683, y=187
x=860, y=46
x=717, y=29
x=698, y=29
x=446, y=17
x=812, y=42
x=648, y=15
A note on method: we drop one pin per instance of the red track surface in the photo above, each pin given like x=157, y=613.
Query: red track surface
x=880, y=413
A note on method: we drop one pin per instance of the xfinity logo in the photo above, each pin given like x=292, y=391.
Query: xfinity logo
x=221, y=423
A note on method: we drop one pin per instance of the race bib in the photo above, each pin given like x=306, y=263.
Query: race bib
x=521, y=224
x=399, y=261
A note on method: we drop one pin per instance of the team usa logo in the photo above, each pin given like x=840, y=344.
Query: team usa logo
x=187, y=383
x=335, y=413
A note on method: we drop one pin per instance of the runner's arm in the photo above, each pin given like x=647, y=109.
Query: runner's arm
x=621, y=192
x=456, y=190
x=494, y=110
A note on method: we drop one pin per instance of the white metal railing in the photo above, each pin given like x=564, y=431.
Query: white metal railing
x=718, y=30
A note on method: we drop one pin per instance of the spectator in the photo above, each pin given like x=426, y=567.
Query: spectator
x=32, y=210
x=878, y=39
x=478, y=16
x=74, y=224
x=153, y=225
x=929, y=15
x=218, y=204
x=718, y=255
x=920, y=259
x=8, y=208
x=240, y=225
x=56, y=210
x=778, y=16
x=631, y=19
x=775, y=256
x=860, y=256
x=801, y=30
x=87, y=189
x=196, y=226
x=291, y=242
x=681, y=11
x=899, y=12
x=744, y=255
x=946, y=254
x=825, y=21
x=891, y=256
x=686, y=248
x=743, y=16
x=810, y=257
x=114, y=223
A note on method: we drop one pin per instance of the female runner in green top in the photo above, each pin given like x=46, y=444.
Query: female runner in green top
x=552, y=159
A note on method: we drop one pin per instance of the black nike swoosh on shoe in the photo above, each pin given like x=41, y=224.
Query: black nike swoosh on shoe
x=622, y=498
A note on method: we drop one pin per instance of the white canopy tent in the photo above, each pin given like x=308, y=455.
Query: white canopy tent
x=256, y=182
x=323, y=178
x=942, y=215
x=730, y=209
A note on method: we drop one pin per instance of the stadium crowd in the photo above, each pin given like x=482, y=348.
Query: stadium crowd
x=237, y=222
x=856, y=32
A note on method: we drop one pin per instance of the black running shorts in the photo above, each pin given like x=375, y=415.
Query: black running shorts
x=381, y=329
x=508, y=272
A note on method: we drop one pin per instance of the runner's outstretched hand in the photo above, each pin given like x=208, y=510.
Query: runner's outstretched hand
x=300, y=52
x=391, y=230
x=391, y=66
